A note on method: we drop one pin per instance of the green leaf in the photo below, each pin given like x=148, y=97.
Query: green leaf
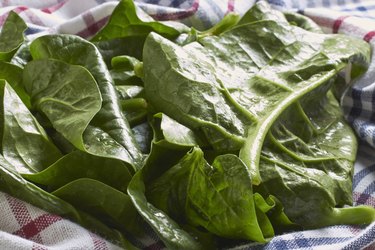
x=13, y=75
x=11, y=36
x=126, y=92
x=108, y=134
x=102, y=201
x=67, y=94
x=217, y=197
x=302, y=22
x=135, y=110
x=169, y=231
x=132, y=46
x=169, y=133
x=13, y=184
x=122, y=71
x=262, y=207
x=228, y=22
x=307, y=163
x=124, y=62
x=280, y=221
x=135, y=107
x=234, y=86
x=261, y=11
x=22, y=55
x=24, y=142
x=77, y=165
x=127, y=29
x=172, y=235
x=143, y=136
x=122, y=77
x=126, y=21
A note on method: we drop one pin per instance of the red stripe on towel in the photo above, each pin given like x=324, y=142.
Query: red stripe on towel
x=337, y=23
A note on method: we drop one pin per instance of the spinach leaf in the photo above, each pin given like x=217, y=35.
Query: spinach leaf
x=13, y=184
x=135, y=107
x=67, y=94
x=124, y=62
x=302, y=22
x=122, y=71
x=108, y=134
x=79, y=164
x=11, y=36
x=217, y=197
x=126, y=31
x=26, y=145
x=234, y=86
x=126, y=21
x=135, y=110
x=131, y=46
x=22, y=55
x=102, y=201
x=143, y=136
x=169, y=133
x=172, y=235
x=162, y=156
x=261, y=11
x=307, y=162
x=275, y=214
x=185, y=100
x=24, y=142
x=126, y=92
x=13, y=75
x=229, y=21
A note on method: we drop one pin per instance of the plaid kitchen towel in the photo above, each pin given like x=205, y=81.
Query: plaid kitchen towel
x=23, y=226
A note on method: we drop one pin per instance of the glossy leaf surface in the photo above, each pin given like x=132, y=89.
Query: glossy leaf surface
x=11, y=36
x=12, y=183
x=100, y=200
x=127, y=21
x=307, y=164
x=24, y=142
x=234, y=86
x=108, y=134
x=82, y=165
x=217, y=197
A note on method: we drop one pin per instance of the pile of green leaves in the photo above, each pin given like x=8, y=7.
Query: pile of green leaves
x=207, y=136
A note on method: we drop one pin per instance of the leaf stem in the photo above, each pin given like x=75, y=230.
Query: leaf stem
x=351, y=215
x=134, y=104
